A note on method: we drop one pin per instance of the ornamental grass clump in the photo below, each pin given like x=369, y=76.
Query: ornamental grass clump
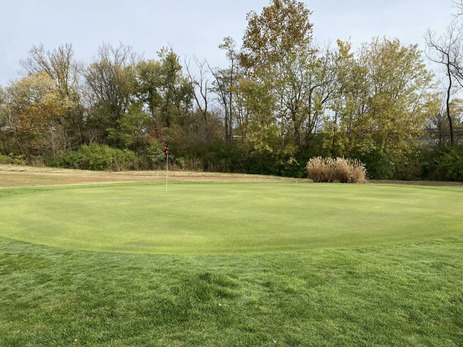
x=321, y=169
x=336, y=170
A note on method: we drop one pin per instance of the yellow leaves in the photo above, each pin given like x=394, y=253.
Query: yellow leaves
x=344, y=48
x=276, y=32
x=36, y=108
x=37, y=90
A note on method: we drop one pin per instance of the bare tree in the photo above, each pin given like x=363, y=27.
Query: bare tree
x=58, y=64
x=447, y=50
x=459, y=6
x=225, y=80
x=201, y=89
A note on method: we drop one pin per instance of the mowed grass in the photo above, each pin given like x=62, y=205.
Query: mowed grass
x=231, y=264
x=408, y=295
x=218, y=218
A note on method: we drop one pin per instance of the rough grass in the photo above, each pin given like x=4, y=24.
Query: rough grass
x=397, y=295
x=14, y=176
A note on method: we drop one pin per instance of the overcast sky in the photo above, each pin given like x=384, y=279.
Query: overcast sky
x=195, y=28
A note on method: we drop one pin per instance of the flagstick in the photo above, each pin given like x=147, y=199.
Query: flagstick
x=167, y=170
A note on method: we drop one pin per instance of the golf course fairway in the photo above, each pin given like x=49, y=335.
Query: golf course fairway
x=224, y=217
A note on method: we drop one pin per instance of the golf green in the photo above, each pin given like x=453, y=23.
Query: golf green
x=220, y=217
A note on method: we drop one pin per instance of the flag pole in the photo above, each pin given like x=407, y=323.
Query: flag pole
x=166, y=152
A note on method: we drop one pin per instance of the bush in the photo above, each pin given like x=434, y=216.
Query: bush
x=154, y=157
x=293, y=168
x=187, y=164
x=378, y=163
x=409, y=164
x=97, y=157
x=446, y=164
x=12, y=159
x=340, y=169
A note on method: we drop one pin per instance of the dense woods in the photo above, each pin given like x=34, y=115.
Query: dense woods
x=280, y=101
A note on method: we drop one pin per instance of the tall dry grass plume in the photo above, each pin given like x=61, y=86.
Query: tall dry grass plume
x=341, y=170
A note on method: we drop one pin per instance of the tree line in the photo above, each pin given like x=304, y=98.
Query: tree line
x=280, y=100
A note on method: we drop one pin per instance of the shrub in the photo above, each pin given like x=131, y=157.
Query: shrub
x=4, y=159
x=340, y=169
x=97, y=157
x=409, y=164
x=12, y=159
x=155, y=157
x=446, y=164
x=293, y=168
x=378, y=163
x=187, y=164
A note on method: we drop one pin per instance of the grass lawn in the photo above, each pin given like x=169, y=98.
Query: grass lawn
x=222, y=264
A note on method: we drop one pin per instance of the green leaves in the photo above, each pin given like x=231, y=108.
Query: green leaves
x=287, y=82
x=384, y=96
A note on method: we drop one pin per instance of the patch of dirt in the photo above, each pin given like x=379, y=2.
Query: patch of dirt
x=24, y=176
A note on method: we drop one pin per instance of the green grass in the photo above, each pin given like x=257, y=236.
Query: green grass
x=217, y=218
x=389, y=296
x=252, y=264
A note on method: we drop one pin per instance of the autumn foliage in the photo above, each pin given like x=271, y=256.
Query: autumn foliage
x=281, y=100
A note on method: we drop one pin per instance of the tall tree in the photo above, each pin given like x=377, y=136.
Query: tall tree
x=167, y=93
x=61, y=67
x=385, y=95
x=400, y=82
x=225, y=84
x=278, y=53
x=148, y=90
x=447, y=50
x=439, y=124
x=176, y=89
x=281, y=29
x=458, y=4
x=34, y=112
x=111, y=81
x=349, y=104
x=201, y=92
x=5, y=137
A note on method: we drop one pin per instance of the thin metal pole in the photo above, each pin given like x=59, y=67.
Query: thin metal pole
x=167, y=169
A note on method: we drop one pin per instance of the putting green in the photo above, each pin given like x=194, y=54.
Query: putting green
x=229, y=217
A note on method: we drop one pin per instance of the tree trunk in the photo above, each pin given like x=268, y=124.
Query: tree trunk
x=449, y=91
